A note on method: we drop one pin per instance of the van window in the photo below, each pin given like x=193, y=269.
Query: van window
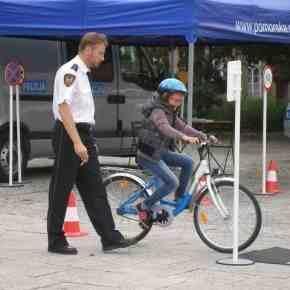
x=39, y=59
x=137, y=67
x=104, y=72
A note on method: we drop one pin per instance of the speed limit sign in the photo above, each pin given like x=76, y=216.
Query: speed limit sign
x=268, y=77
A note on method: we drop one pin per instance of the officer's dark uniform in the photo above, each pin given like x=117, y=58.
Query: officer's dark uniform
x=72, y=86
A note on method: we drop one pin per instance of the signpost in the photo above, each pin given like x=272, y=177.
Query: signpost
x=268, y=79
x=234, y=87
x=14, y=76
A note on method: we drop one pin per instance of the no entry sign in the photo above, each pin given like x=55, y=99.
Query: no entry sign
x=14, y=73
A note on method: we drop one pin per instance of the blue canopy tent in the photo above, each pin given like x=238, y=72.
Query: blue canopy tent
x=214, y=20
x=156, y=20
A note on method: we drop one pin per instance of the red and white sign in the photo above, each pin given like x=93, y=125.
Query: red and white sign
x=268, y=77
x=14, y=73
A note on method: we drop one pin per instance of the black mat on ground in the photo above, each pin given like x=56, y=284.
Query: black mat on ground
x=273, y=255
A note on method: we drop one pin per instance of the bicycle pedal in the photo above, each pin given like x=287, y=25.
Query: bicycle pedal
x=162, y=215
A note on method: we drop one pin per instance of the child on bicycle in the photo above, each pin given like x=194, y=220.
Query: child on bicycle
x=161, y=129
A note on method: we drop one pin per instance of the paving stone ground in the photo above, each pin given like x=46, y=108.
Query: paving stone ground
x=168, y=258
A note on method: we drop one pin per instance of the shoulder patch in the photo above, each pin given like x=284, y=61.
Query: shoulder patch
x=68, y=79
x=75, y=67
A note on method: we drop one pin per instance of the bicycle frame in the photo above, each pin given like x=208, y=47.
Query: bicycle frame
x=202, y=169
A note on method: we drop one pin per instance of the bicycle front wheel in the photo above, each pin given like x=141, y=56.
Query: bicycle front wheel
x=124, y=191
x=215, y=230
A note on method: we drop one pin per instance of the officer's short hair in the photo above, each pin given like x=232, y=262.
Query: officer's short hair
x=92, y=38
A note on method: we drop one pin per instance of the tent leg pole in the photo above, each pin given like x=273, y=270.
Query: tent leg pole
x=190, y=82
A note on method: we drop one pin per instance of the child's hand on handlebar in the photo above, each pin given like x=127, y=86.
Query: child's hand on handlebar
x=190, y=140
x=213, y=139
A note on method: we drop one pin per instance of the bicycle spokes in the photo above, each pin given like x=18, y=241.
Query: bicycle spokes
x=216, y=228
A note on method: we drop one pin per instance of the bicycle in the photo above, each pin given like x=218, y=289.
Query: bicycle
x=211, y=205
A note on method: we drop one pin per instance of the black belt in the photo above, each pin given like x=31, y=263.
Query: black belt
x=85, y=127
x=82, y=126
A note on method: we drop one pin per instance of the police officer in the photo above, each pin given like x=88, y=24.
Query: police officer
x=76, y=160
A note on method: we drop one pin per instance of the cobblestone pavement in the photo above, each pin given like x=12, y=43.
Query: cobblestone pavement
x=168, y=258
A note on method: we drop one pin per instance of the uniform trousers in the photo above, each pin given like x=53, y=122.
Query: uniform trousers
x=67, y=172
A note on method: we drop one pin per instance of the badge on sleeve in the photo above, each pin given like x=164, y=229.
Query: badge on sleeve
x=69, y=79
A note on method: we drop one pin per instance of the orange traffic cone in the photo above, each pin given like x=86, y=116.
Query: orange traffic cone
x=272, y=185
x=71, y=225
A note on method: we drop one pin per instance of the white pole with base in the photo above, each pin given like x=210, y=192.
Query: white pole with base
x=19, y=157
x=234, y=94
x=10, y=135
x=268, y=78
x=264, y=140
x=237, y=180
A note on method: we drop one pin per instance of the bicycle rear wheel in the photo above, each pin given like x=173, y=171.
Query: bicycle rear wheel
x=217, y=232
x=124, y=192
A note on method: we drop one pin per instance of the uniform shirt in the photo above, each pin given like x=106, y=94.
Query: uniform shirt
x=72, y=86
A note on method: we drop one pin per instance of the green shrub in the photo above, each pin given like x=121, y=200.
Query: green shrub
x=221, y=113
x=252, y=114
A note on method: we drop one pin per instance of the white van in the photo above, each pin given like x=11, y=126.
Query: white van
x=124, y=81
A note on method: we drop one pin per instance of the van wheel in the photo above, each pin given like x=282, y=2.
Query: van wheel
x=4, y=156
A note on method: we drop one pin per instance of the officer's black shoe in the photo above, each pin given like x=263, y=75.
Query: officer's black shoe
x=122, y=243
x=64, y=250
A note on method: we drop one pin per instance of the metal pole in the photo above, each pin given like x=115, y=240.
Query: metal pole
x=190, y=82
x=253, y=80
x=237, y=180
x=11, y=135
x=234, y=80
x=19, y=157
x=260, y=68
x=171, y=57
x=264, y=140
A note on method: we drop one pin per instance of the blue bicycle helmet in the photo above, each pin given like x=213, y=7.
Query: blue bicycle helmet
x=171, y=85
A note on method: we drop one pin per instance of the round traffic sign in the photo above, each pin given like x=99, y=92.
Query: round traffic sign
x=268, y=77
x=14, y=73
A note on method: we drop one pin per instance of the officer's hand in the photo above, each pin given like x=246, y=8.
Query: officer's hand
x=190, y=140
x=82, y=152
